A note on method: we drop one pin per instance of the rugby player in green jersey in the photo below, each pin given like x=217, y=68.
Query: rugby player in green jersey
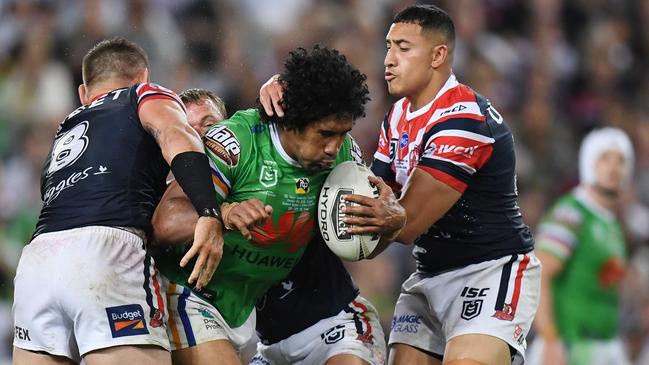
x=270, y=169
x=581, y=246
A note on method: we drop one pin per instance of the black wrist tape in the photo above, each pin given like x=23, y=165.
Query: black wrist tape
x=192, y=171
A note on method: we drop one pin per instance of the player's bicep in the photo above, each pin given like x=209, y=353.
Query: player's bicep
x=437, y=197
x=166, y=121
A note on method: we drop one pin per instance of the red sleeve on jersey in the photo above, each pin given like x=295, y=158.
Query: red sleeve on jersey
x=150, y=91
x=456, y=153
x=445, y=178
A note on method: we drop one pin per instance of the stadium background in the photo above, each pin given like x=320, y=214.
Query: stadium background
x=554, y=69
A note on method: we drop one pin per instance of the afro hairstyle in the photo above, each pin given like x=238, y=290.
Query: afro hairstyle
x=317, y=84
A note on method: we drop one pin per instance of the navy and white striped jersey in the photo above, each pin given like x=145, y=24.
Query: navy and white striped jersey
x=462, y=141
x=104, y=168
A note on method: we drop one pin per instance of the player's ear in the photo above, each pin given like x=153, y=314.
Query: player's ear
x=83, y=94
x=439, y=55
x=143, y=76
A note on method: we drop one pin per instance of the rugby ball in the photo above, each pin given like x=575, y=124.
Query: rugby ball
x=347, y=178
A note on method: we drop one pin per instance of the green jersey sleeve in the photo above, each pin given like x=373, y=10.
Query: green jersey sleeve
x=559, y=230
x=227, y=145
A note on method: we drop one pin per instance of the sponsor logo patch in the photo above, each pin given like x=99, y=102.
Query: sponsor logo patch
x=406, y=323
x=302, y=186
x=223, y=144
x=126, y=320
x=403, y=142
x=337, y=214
x=21, y=334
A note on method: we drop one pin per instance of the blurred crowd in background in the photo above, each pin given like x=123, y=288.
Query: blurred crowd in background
x=554, y=69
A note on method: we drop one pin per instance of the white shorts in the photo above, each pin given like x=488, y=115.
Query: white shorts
x=356, y=330
x=85, y=289
x=193, y=321
x=496, y=298
x=585, y=352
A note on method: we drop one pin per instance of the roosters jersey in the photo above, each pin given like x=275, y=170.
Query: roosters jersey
x=104, y=168
x=462, y=141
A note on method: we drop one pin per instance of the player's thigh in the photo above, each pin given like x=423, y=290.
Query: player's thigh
x=402, y=354
x=25, y=357
x=218, y=352
x=485, y=349
x=120, y=355
x=346, y=359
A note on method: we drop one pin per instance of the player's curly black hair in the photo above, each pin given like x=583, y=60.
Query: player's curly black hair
x=317, y=84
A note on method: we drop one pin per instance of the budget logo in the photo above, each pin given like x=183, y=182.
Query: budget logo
x=126, y=320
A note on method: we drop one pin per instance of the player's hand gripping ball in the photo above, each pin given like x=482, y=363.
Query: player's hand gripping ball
x=347, y=178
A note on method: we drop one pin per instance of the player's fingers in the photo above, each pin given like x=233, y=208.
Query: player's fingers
x=213, y=260
x=264, y=99
x=189, y=255
x=363, y=229
x=245, y=231
x=361, y=221
x=269, y=210
x=359, y=210
x=198, y=267
x=277, y=106
x=360, y=199
x=384, y=190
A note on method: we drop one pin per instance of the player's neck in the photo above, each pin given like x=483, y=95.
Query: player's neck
x=604, y=198
x=287, y=140
x=425, y=96
x=106, y=87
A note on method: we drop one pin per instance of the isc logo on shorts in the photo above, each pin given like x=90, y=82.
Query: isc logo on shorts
x=126, y=320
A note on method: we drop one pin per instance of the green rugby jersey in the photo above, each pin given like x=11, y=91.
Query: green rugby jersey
x=589, y=241
x=248, y=161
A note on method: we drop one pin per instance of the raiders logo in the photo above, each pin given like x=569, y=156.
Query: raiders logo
x=223, y=144
x=471, y=309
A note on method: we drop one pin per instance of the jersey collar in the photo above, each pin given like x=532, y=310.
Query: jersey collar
x=591, y=204
x=274, y=135
x=450, y=83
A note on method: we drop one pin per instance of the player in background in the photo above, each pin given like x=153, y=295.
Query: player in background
x=85, y=286
x=333, y=320
x=450, y=154
x=282, y=163
x=204, y=109
x=581, y=246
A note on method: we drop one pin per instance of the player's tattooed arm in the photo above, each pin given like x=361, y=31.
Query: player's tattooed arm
x=166, y=121
x=152, y=130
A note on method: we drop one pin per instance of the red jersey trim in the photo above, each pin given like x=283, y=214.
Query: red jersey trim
x=445, y=178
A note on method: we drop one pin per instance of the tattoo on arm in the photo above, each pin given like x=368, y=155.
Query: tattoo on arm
x=153, y=131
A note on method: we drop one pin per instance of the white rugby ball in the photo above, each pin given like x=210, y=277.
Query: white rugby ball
x=347, y=178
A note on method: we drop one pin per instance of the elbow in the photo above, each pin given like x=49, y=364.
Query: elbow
x=161, y=232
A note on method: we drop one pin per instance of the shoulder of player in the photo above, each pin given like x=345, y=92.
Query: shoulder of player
x=567, y=210
x=232, y=139
x=460, y=102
